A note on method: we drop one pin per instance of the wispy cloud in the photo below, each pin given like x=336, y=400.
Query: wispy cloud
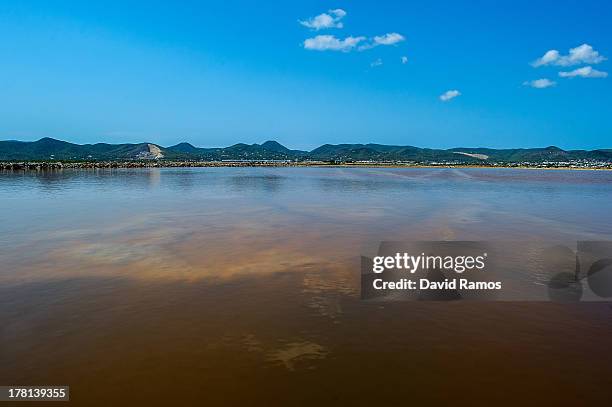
x=331, y=19
x=584, y=72
x=376, y=63
x=540, y=83
x=331, y=43
x=386, y=39
x=404, y=60
x=583, y=54
x=361, y=43
x=449, y=94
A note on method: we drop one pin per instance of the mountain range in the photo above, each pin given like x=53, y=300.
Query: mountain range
x=47, y=149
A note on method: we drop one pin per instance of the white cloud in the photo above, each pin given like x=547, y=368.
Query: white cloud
x=386, y=39
x=376, y=63
x=583, y=54
x=404, y=60
x=338, y=12
x=548, y=58
x=449, y=94
x=584, y=72
x=331, y=19
x=540, y=83
x=331, y=43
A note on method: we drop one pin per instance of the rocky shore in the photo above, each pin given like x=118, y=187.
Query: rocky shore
x=39, y=166
x=56, y=165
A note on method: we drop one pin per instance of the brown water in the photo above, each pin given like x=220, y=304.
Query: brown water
x=240, y=286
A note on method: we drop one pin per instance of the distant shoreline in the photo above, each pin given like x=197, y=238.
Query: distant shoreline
x=54, y=166
x=272, y=153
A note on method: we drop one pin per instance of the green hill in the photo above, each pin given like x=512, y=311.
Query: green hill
x=47, y=149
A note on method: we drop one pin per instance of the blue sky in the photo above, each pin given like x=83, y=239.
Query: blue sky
x=218, y=73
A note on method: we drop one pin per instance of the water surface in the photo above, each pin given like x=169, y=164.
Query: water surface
x=241, y=286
